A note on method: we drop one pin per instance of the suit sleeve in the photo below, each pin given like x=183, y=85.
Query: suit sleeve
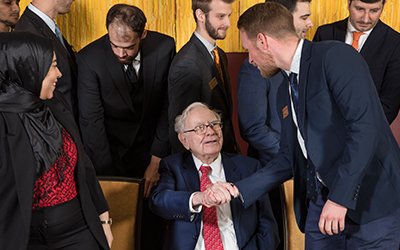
x=184, y=87
x=165, y=200
x=92, y=118
x=389, y=94
x=161, y=146
x=353, y=90
x=253, y=92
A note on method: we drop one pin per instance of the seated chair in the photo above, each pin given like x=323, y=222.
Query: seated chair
x=293, y=237
x=124, y=197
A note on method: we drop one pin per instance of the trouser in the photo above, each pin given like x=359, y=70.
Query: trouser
x=382, y=233
x=60, y=227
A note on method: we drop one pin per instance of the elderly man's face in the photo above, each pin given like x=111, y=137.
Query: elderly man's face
x=207, y=146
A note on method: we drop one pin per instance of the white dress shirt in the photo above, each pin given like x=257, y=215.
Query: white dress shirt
x=224, y=215
x=207, y=44
x=51, y=23
x=135, y=64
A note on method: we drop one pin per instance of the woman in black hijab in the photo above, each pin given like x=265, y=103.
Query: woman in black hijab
x=49, y=195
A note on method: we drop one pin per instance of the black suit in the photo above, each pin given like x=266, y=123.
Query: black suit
x=18, y=179
x=109, y=121
x=31, y=22
x=193, y=77
x=381, y=51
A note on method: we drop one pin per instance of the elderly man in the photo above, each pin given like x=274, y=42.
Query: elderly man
x=181, y=195
x=9, y=14
x=378, y=44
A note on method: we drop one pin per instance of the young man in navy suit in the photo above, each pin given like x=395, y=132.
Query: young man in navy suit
x=335, y=141
x=378, y=44
x=178, y=198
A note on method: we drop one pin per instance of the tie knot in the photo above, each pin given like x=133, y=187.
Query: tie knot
x=205, y=169
x=356, y=35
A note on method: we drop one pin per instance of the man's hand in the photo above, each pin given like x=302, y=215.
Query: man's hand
x=332, y=219
x=216, y=194
x=151, y=175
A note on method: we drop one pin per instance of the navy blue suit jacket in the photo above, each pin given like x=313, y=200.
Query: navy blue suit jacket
x=346, y=136
x=255, y=226
x=381, y=51
x=261, y=127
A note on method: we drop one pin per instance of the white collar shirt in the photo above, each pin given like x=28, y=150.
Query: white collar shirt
x=349, y=36
x=50, y=23
x=207, y=44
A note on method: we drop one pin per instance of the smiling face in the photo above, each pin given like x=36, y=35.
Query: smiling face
x=50, y=81
x=301, y=19
x=9, y=14
x=364, y=16
x=217, y=20
x=207, y=146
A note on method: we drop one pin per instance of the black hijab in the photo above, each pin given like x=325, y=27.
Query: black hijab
x=25, y=60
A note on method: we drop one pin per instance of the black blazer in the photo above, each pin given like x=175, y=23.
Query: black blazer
x=381, y=51
x=106, y=111
x=193, y=77
x=17, y=174
x=31, y=22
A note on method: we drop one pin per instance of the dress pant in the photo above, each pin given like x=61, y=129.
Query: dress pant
x=60, y=227
x=382, y=233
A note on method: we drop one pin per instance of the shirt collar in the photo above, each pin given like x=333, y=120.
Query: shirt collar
x=295, y=66
x=206, y=43
x=216, y=165
x=51, y=23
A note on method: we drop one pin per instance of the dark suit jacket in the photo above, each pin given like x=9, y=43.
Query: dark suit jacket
x=346, y=136
x=31, y=22
x=381, y=51
x=106, y=110
x=255, y=226
x=193, y=77
x=261, y=127
x=17, y=172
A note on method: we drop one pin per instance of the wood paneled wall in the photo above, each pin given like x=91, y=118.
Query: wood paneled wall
x=86, y=20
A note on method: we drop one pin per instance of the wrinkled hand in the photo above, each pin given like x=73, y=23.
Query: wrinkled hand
x=151, y=175
x=216, y=194
x=332, y=219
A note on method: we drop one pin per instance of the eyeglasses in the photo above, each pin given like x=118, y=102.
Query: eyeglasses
x=201, y=129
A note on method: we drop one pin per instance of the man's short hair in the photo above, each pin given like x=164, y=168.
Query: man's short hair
x=129, y=15
x=370, y=1
x=268, y=18
x=204, y=5
x=181, y=119
x=289, y=4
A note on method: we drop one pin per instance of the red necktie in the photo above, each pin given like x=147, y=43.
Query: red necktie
x=212, y=236
x=356, y=37
x=218, y=63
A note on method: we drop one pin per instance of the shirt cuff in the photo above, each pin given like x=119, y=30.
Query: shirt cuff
x=192, y=210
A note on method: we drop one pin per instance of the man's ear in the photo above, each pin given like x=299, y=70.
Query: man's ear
x=200, y=16
x=144, y=34
x=183, y=140
x=262, y=42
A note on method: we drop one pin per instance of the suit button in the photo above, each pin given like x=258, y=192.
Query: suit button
x=195, y=237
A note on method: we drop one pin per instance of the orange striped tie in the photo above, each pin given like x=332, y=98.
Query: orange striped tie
x=356, y=37
x=218, y=63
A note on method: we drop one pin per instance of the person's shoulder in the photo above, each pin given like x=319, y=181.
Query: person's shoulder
x=243, y=162
x=94, y=48
x=159, y=36
x=177, y=159
x=391, y=34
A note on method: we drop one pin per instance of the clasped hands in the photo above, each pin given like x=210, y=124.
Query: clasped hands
x=216, y=194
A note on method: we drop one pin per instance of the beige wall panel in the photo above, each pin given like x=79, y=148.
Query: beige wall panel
x=86, y=20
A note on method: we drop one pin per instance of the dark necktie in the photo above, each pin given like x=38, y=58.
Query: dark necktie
x=212, y=235
x=131, y=73
x=311, y=177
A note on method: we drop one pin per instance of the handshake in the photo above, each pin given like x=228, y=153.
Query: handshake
x=216, y=194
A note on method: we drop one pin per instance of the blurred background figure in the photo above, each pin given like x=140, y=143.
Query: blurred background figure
x=9, y=14
x=49, y=197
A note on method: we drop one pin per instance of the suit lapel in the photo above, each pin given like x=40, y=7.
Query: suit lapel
x=304, y=70
x=50, y=34
x=117, y=73
x=190, y=173
x=210, y=63
x=373, y=40
x=149, y=59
